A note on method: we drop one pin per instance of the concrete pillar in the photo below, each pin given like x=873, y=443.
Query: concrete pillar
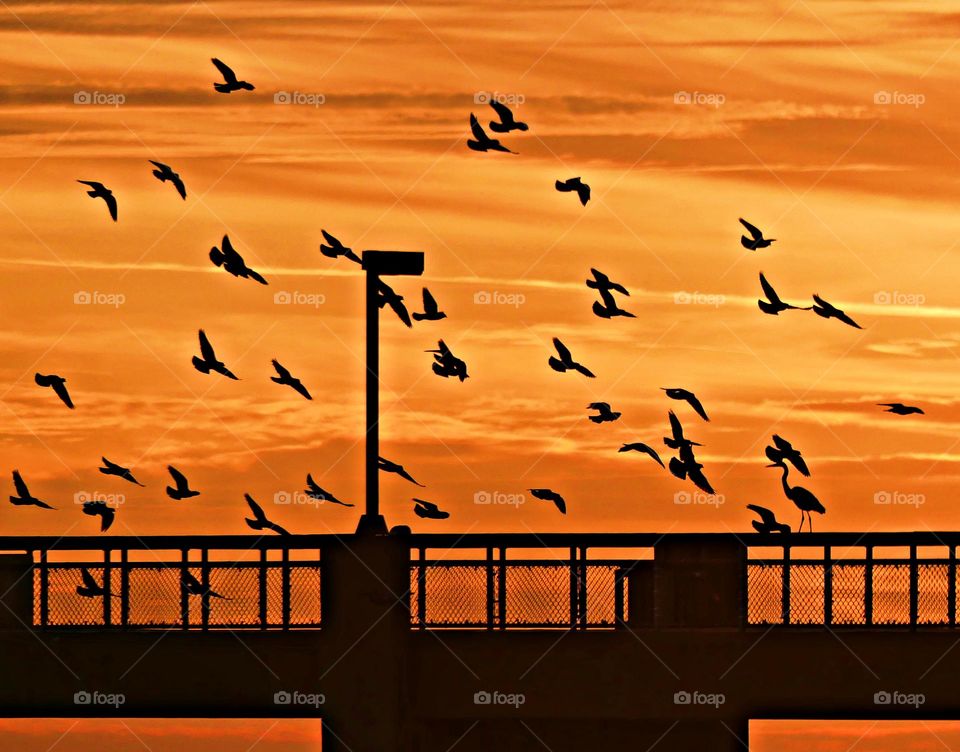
x=16, y=591
x=700, y=581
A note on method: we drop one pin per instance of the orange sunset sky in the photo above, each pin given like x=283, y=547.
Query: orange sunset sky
x=831, y=125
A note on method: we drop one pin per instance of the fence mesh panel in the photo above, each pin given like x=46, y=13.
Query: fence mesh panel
x=849, y=593
x=764, y=594
x=932, y=594
x=891, y=593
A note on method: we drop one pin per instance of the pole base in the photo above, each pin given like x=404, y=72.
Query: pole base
x=372, y=524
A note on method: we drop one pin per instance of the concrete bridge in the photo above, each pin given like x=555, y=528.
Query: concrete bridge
x=479, y=642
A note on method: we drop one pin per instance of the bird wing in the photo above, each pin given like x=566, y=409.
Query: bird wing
x=695, y=474
x=427, y=505
x=601, y=406
x=92, y=183
x=765, y=514
x=505, y=113
x=332, y=241
x=229, y=252
x=178, y=184
x=88, y=581
x=562, y=350
x=281, y=371
x=768, y=290
x=478, y=132
x=21, y=487
x=225, y=70
x=178, y=478
x=255, y=508
x=60, y=387
x=111, y=201
x=429, y=303
x=757, y=235
x=846, y=319
x=312, y=485
x=400, y=309
x=206, y=349
x=652, y=452
x=563, y=186
x=163, y=168
x=696, y=405
x=112, y=466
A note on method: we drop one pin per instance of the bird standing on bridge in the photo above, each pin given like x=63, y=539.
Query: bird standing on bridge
x=260, y=521
x=804, y=500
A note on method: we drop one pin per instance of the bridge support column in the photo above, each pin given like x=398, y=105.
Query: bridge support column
x=16, y=591
x=700, y=583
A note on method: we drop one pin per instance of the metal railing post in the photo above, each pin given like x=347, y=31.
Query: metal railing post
x=868, y=587
x=184, y=595
x=285, y=587
x=422, y=588
x=107, y=587
x=262, y=588
x=913, y=586
x=785, y=587
x=827, y=585
x=205, y=583
x=124, y=588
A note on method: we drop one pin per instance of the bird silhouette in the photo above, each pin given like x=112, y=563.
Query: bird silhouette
x=101, y=510
x=182, y=489
x=24, y=497
x=677, y=440
x=165, y=173
x=57, y=383
x=392, y=467
x=566, y=362
x=428, y=510
x=773, y=304
x=689, y=397
x=230, y=82
x=194, y=587
x=90, y=588
x=482, y=141
x=604, y=413
x=446, y=364
x=430, y=310
x=209, y=361
x=283, y=377
x=99, y=190
x=756, y=239
x=804, y=500
x=574, y=184
x=601, y=281
x=315, y=492
x=638, y=446
x=783, y=451
x=335, y=249
x=768, y=521
x=685, y=466
x=607, y=308
x=826, y=310
x=507, y=121
x=545, y=494
x=260, y=521
x=232, y=262
x=112, y=468
x=387, y=297
x=898, y=408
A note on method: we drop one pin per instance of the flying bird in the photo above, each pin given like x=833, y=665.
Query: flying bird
x=430, y=310
x=483, y=142
x=335, y=249
x=689, y=397
x=604, y=413
x=804, y=500
x=57, y=383
x=233, y=262
x=90, y=587
x=101, y=510
x=685, y=466
x=783, y=451
x=194, y=587
x=230, y=82
x=608, y=308
x=638, y=446
x=826, y=310
x=446, y=364
x=768, y=520
x=165, y=173
x=182, y=489
x=209, y=361
x=601, y=281
x=898, y=408
x=545, y=494
x=756, y=239
x=24, y=497
x=507, y=121
x=283, y=377
x=112, y=468
x=566, y=362
x=386, y=296
x=260, y=521
x=315, y=492
x=574, y=184
x=773, y=304
x=428, y=510
x=392, y=467
x=99, y=190
x=677, y=440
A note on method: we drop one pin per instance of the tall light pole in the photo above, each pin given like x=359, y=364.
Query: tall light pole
x=378, y=264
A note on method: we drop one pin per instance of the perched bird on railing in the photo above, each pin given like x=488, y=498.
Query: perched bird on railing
x=335, y=249
x=182, y=490
x=99, y=190
x=285, y=378
x=446, y=364
x=90, y=587
x=230, y=82
x=768, y=521
x=825, y=310
x=260, y=521
x=24, y=497
x=604, y=413
x=566, y=362
x=57, y=383
x=481, y=140
x=574, y=184
x=898, y=408
x=392, y=467
x=163, y=173
x=773, y=305
x=428, y=510
x=431, y=312
x=387, y=296
x=545, y=494
x=209, y=360
x=101, y=510
x=638, y=446
x=193, y=586
x=232, y=262
x=315, y=492
x=804, y=500
x=756, y=239
x=507, y=121
x=112, y=468
x=687, y=396
x=784, y=451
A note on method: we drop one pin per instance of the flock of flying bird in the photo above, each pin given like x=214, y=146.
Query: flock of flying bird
x=781, y=454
